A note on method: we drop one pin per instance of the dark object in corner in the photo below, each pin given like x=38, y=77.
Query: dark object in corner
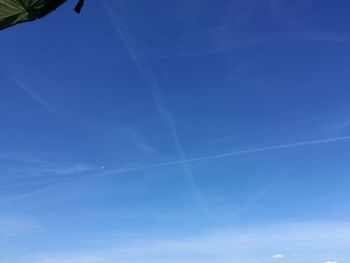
x=13, y=12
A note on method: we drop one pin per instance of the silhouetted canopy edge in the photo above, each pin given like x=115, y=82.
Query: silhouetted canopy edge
x=14, y=12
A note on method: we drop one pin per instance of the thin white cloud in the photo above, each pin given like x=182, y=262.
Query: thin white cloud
x=31, y=165
x=41, y=173
x=138, y=140
x=331, y=261
x=31, y=93
x=79, y=259
x=278, y=256
x=15, y=226
x=27, y=195
x=146, y=148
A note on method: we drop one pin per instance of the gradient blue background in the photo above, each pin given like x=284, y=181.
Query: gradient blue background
x=103, y=117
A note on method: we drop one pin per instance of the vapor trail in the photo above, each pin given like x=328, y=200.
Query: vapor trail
x=28, y=195
x=35, y=96
x=161, y=104
x=231, y=154
x=271, y=148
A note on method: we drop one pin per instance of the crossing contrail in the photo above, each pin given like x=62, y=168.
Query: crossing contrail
x=192, y=160
x=149, y=78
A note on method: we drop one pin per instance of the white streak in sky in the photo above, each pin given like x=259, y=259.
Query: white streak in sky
x=161, y=104
x=227, y=40
x=232, y=154
x=272, y=148
x=28, y=195
x=278, y=256
x=30, y=92
x=188, y=161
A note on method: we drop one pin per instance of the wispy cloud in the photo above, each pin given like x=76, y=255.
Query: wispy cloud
x=30, y=175
x=247, y=244
x=79, y=259
x=31, y=93
x=152, y=83
x=14, y=226
x=17, y=165
x=138, y=140
x=278, y=256
x=19, y=197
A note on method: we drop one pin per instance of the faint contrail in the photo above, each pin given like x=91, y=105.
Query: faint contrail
x=234, y=41
x=161, y=104
x=271, y=148
x=231, y=154
x=27, y=195
x=35, y=96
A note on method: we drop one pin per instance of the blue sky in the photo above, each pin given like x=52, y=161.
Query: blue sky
x=177, y=131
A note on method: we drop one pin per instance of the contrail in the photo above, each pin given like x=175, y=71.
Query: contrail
x=233, y=41
x=35, y=182
x=27, y=195
x=35, y=96
x=161, y=104
x=232, y=154
x=192, y=160
x=271, y=148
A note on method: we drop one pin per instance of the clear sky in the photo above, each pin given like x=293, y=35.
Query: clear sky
x=212, y=131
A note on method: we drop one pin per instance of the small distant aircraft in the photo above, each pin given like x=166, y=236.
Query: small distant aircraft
x=13, y=12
